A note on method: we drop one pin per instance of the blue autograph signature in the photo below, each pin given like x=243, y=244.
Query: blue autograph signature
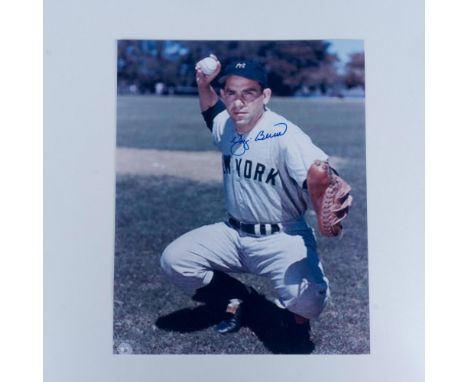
x=241, y=144
x=239, y=141
x=261, y=136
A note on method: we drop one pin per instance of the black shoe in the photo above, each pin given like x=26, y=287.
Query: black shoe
x=233, y=318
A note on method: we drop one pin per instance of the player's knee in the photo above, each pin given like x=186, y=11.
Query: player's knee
x=177, y=264
x=307, y=299
x=166, y=261
x=170, y=260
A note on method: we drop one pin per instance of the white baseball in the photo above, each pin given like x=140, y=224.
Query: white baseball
x=208, y=65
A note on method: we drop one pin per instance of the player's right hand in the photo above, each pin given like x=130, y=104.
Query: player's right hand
x=203, y=79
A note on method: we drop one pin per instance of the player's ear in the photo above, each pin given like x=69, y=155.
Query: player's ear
x=222, y=93
x=266, y=95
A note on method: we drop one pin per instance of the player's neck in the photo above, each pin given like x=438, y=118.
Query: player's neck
x=244, y=129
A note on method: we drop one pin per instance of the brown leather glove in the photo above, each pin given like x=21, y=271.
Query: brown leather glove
x=330, y=196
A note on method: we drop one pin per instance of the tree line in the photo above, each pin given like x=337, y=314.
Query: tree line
x=294, y=67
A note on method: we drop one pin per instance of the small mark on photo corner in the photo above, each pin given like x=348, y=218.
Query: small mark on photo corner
x=124, y=348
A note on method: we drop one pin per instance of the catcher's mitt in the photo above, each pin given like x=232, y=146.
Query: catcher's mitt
x=330, y=196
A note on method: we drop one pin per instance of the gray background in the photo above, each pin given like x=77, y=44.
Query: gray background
x=79, y=170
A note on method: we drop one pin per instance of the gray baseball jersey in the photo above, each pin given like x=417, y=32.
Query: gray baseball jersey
x=264, y=170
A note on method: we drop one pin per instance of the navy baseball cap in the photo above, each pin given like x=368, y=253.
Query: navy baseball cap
x=252, y=70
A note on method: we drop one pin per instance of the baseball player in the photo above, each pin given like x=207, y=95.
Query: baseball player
x=267, y=163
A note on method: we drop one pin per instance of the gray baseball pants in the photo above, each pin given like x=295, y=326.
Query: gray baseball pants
x=288, y=258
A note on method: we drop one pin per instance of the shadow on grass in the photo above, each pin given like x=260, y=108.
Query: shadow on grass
x=189, y=319
x=268, y=322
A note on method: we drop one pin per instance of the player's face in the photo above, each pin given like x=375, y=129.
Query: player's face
x=245, y=101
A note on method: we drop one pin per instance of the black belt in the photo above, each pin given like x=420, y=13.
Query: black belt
x=254, y=229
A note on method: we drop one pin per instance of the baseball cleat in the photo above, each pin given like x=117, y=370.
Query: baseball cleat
x=233, y=318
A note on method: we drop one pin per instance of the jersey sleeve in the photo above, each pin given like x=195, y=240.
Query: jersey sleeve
x=210, y=114
x=299, y=153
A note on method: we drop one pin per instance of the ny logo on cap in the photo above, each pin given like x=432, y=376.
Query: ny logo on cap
x=240, y=65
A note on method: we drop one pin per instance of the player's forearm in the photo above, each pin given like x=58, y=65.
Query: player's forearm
x=207, y=97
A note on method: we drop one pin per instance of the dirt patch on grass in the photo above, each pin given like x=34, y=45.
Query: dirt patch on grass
x=201, y=166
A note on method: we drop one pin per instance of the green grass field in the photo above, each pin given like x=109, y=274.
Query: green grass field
x=176, y=123
x=153, y=317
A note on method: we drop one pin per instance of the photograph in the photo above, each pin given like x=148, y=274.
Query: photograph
x=241, y=198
